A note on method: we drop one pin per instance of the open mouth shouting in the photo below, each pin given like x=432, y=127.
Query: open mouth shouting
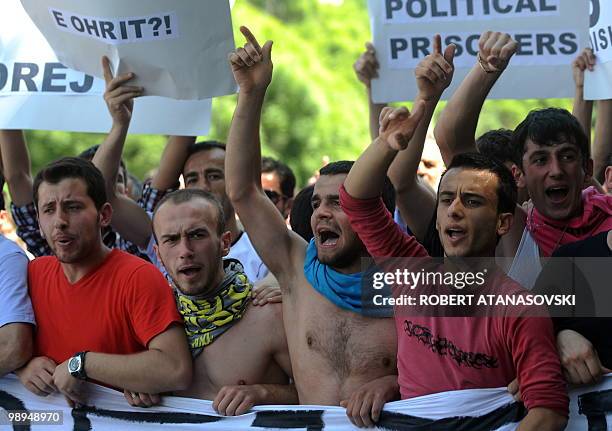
x=327, y=237
x=557, y=194
x=190, y=271
x=455, y=234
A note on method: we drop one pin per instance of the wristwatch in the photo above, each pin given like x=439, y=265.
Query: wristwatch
x=76, y=366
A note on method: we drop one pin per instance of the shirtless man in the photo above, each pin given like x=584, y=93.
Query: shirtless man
x=244, y=361
x=337, y=355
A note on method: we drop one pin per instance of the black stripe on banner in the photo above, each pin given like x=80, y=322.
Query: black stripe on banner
x=595, y=405
x=9, y=402
x=311, y=420
x=84, y=424
x=493, y=420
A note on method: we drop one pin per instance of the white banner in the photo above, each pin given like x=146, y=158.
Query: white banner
x=598, y=84
x=176, y=49
x=476, y=410
x=38, y=92
x=550, y=34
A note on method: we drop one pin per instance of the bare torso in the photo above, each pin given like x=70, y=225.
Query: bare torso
x=333, y=351
x=253, y=351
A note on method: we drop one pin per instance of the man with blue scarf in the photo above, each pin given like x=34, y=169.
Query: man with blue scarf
x=339, y=355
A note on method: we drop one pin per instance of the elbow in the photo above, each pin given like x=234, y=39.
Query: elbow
x=17, y=177
x=183, y=375
x=16, y=354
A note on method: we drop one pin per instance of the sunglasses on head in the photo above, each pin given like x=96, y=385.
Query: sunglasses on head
x=273, y=196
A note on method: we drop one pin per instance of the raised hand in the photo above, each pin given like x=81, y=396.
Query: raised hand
x=366, y=66
x=397, y=125
x=435, y=72
x=495, y=51
x=119, y=97
x=586, y=60
x=252, y=65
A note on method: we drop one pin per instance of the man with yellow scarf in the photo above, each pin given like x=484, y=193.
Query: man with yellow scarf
x=239, y=351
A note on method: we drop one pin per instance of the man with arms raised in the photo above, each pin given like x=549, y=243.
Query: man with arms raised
x=476, y=201
x=101, y=314
x=336, y=353
x=240, y=351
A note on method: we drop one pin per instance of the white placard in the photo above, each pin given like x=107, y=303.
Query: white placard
x=550, y=33
x=598, y=83
x=37, y=92
x=176, y=49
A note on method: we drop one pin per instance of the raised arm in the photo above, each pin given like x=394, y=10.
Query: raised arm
x=415, y=199
x=583, y=109
x=172, y=161
x=456, y=126
x=275, y=244
x=129, y=219
x=16, y=166
x=602, y=148
x=366, y=68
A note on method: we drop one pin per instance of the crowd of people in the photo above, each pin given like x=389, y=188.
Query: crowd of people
x=232, y=289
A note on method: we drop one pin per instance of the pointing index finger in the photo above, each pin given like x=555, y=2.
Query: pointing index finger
x=437, y=44
x=250, y=38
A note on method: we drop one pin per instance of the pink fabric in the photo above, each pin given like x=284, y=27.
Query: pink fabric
x=550, y=234
x=437, y=354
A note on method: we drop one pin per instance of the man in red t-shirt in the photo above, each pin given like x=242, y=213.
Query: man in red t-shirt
x=475, y=205
x=101, y=314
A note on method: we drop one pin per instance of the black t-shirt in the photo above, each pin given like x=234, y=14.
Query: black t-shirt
x=562, y=274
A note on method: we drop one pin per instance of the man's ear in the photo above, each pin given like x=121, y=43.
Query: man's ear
x=288, y=206
x=518, y=175
x=608, y=180
x=504, y=223
x=226, y=242
x=105, y=214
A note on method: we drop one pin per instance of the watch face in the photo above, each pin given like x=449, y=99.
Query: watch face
x=74, y=364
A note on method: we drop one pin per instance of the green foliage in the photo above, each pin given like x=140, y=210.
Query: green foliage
x=315, y=105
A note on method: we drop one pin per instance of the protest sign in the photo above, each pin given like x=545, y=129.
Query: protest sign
x=473, y=409
x=550, y=34
x=38, y=92
x=176, y=49
x=598, y=83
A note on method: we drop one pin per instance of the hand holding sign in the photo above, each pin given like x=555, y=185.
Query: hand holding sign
x=397, y=125
x=495, y=51
x=252, y=65
x=119, y=97
x=586, y=60
x=435, y=72
x=366, y=66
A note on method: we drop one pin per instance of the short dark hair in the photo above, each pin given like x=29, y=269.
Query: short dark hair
x=496, y=144
x=89, y=154
x=284, y=172
x=185, y=195
x=548, y=127
x=301, y=212
x=344, y=166
x=196, y=147
x=506, y=189
x=73, y=167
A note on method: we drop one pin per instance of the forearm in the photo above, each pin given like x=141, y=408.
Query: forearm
x=139, y=372
x=16, y=166
x=457, y=124
x=374, y=110
x=171, y=163
x=583, y=111
x=367, y=176
x=15, y=346
x=603, y=139
x=542, y=419
x=108, y=156
x=243, y=157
